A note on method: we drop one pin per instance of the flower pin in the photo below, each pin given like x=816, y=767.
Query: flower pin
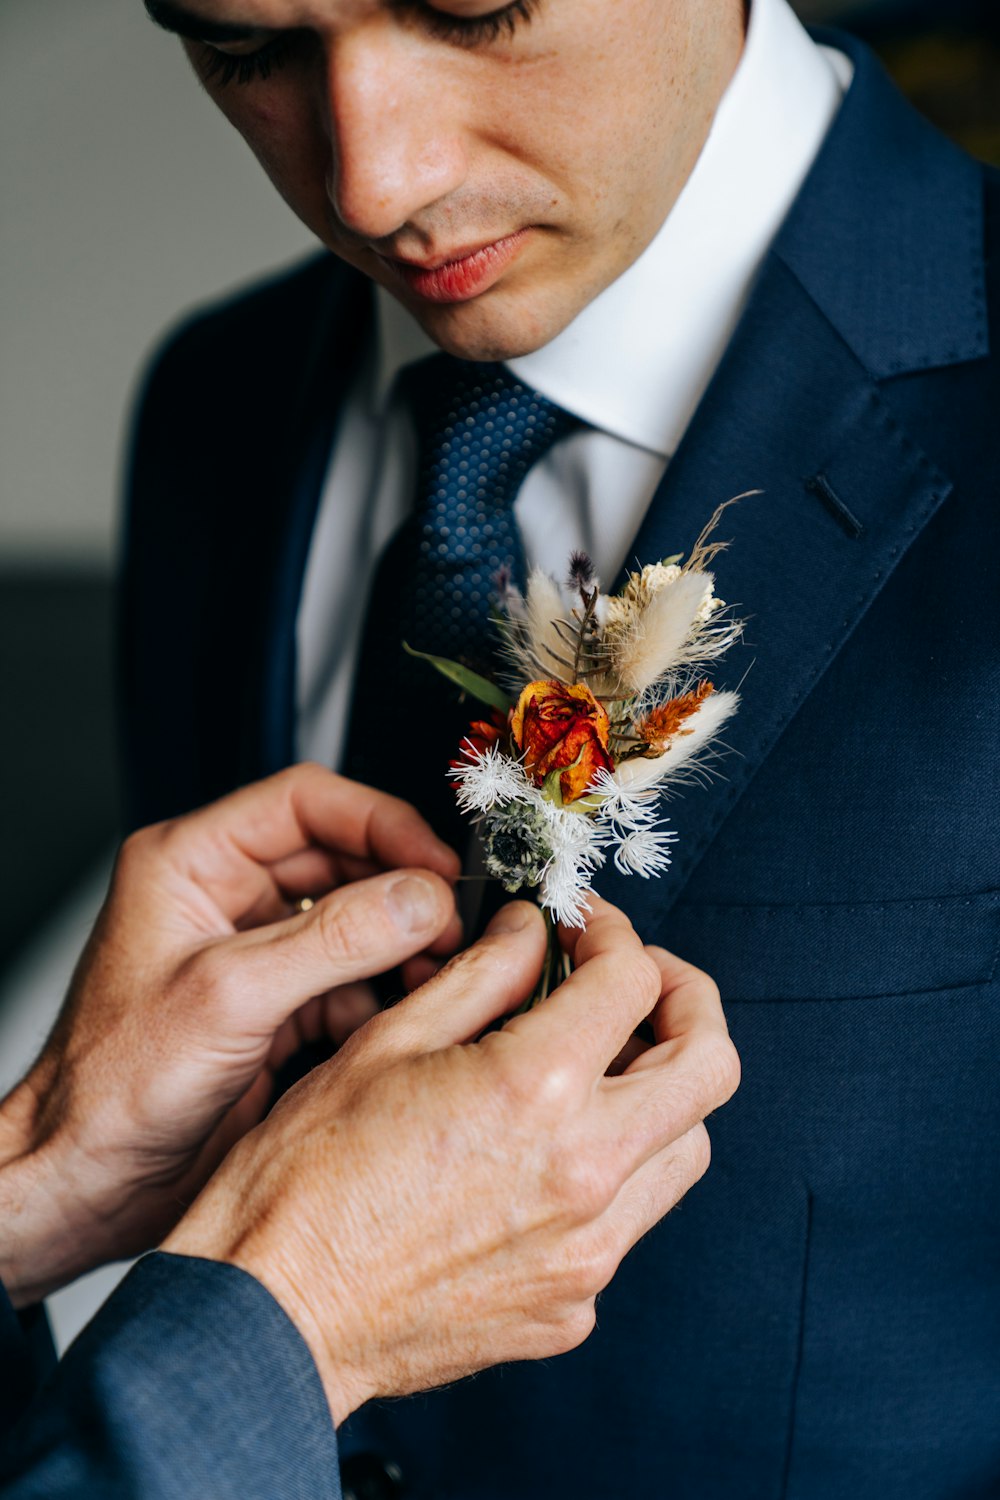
x=603, y=708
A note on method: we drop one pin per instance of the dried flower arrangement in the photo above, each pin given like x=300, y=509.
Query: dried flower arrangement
x=601, y=709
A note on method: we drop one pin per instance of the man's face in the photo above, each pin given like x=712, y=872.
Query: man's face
x=494, y=167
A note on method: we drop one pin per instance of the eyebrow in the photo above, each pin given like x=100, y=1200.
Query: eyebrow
x=188, y=23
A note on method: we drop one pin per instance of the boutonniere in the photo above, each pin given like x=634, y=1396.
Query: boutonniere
x=603, y=708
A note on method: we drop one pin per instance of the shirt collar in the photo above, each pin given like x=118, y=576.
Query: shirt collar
x=637, y=360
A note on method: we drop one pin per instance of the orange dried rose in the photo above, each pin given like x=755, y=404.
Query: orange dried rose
x=560, y=728
x=660, y=726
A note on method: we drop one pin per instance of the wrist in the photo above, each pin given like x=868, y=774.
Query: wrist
x=212, y=1230
x=19, y=1197
x=50, y=1233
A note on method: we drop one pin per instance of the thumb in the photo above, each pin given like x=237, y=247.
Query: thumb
x=487, y=981
x=360, y=930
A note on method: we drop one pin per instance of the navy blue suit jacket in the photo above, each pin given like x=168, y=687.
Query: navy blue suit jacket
x=821, y=1317
x=189, y=1384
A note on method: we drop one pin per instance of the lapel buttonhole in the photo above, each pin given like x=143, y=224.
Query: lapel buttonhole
x=821, y=487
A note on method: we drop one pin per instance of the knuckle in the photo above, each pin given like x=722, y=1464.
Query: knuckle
x=721, y=1067
x=581, y=1184
x=574, y=1327
x=699, y=1152
x=664, y=959
x=309, y=768
x=593, y=1264
x=639, y=975
x=301, y=773
x=680, y=1168
x=466, y=967
x=704, y=980
x=377, y=1037
x=215, y=977
x=543, y=1088
x=731, y=1069
x=137, y=848
x=346, y=929
x=554, y=1083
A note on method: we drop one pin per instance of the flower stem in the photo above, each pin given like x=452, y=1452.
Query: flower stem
x=555, y=968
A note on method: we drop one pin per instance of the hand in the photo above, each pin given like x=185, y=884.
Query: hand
x=183, y=1005
x=423, y=1208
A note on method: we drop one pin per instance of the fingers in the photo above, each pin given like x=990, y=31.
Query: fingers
x=632, y=1049
x=693, y=1068
x=334, y=1017
x=417, y=971
x=229, y=847
x=689, y=999
x=487, y=981
x=263, y=976
x=615, y=985
x=656, y=1187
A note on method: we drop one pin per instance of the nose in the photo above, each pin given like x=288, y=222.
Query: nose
x=395, y=130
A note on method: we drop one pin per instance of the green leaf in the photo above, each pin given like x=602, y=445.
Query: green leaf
x=552, y=786
x=470, y=682
x=668, y=562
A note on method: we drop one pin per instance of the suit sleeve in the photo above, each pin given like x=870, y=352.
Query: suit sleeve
x=191, y=1380
x=27, y=1357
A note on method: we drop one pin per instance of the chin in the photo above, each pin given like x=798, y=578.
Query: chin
x=494, y=327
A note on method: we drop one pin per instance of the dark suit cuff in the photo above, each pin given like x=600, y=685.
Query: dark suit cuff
x=191, y=1380
x=27, y=1356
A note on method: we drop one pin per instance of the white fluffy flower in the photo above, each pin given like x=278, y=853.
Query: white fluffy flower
x=488, y=778
x=564, y=890
x=578, y=849
x=644, y=851
x=632, y=826
x=628, y=809
x=573, y=833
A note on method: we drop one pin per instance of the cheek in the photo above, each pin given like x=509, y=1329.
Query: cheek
x=287, y=138
x=605, y=118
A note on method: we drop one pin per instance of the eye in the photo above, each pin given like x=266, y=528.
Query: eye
x=471, y=31
x=259, y=61
x=256, y=61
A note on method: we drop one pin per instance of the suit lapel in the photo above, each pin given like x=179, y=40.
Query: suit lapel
x=868, y=280
x=845, y=491
x=311, y=400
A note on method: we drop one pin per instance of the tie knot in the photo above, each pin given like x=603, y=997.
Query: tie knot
x=479, y=428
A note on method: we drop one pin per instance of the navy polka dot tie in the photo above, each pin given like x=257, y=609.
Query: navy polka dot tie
x=479, y=431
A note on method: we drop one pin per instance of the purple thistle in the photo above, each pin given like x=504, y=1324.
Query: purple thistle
x=501, y=581
x=582, y=574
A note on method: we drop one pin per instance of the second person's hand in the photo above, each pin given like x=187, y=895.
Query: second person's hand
x=197, y=983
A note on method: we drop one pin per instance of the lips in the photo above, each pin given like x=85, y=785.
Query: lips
x=465, y=275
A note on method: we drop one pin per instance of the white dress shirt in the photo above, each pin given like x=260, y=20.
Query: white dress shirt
x=634, y=365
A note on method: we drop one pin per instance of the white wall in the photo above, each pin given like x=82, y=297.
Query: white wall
x=124, y=198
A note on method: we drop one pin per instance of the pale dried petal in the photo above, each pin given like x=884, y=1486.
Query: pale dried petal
x=648, y=641
x=545, y=606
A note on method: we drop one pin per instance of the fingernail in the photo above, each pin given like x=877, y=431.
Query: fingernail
x=412, y=903
x=513, y=918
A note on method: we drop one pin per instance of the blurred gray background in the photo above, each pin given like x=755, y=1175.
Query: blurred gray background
x=125, y=199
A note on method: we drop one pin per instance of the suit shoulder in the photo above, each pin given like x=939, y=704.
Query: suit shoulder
x=242, y=335
x=991, y=197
